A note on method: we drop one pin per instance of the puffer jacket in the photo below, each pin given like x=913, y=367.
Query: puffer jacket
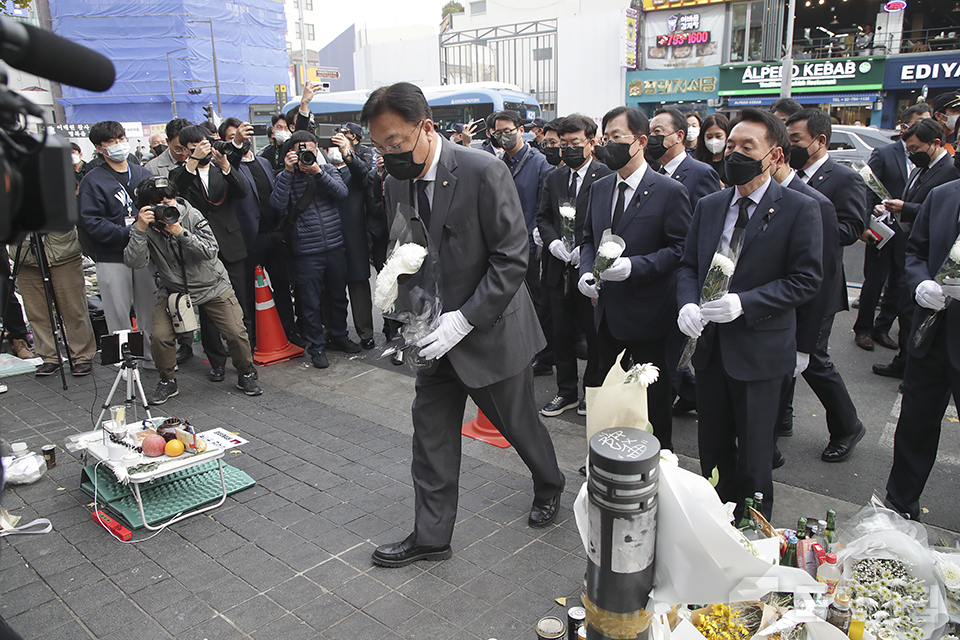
x=318, y=227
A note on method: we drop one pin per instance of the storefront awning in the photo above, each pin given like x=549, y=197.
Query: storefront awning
x=807, y=98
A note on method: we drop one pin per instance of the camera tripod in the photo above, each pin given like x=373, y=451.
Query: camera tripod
x=130, y=371
x=56, y=320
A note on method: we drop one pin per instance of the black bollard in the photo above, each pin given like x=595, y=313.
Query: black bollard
x=622, y=509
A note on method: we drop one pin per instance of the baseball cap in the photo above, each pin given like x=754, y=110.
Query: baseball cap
x=456, y=127
x=354, y=128
x=539, y=123
x=947, y=100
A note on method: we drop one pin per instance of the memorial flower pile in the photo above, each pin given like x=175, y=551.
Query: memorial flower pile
x=888, y=598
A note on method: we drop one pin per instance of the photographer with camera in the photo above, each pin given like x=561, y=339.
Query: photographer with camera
x=307, y=194
x=183, y=246
x=207, y=181
x=174, y=154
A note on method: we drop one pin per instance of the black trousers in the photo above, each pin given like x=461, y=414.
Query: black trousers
x=736, y=436
x=210, y=337
x=659, y=407
x=437, y=422
x=683, y=382
x=825, y=381
x=536, y=283
x=571, y=314
x=274, y=262
x=905, y=305
x=928, y=383
x=881, y=275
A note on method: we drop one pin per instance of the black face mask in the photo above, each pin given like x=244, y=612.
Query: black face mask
x=741, y=169
x=618, y=154
x=494, y=142
x=573, y=157
x=799, y=156
x=157, y=150
x=655, y=148
x=401, y=165
x=553, y=155
x=205, y=160
x=600, y=153
x=920, y=159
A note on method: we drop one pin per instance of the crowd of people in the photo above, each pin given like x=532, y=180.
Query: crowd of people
x=758, y=198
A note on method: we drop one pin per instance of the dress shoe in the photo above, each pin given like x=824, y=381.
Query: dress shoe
x=320, y=360
x=841, y=450
x=82, y=369
x=397, y=358
x=558, y=405
x=892, y=370
x=778, y=460
x=582, y=408
x=542, y=367
x=368, y=344
x=864, y=341
x=544, y=512
x=400, y=554
x=184, y=353
x=21, y=349
x=345, y=345
x=582, y=471
x=47, y=369
x=682, y=406
x=885, y=341
x=216, y=374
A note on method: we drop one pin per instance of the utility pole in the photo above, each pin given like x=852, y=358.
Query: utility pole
x=216, y=75
x=173, y=95
x=786, y=73
x=303, y=50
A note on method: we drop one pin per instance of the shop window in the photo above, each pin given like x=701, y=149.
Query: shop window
x=746, y=31
x=738, y=35
x=756, y=31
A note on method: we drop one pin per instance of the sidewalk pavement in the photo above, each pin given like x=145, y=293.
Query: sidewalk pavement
x=290, y=557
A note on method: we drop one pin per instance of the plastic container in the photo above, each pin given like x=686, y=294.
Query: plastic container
x=829, y=573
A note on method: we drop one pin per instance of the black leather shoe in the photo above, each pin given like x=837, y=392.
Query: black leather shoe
x=320, y=360
x=400, y=554
x=544, y=512
x=841, y=450
x=891, y=370
x=864, y=341
x=558, y=405
x=681, y=407
x=582, y=471
x=346, y=346
x=47, y=369
x=216, y=374
x=368, y=344
x=885, y=341
x=82, y=369
x=778, y=460
x=541, y=368
x=184, y=353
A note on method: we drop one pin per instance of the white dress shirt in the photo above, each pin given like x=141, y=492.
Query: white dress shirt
x=733, y=212
x=633, y=181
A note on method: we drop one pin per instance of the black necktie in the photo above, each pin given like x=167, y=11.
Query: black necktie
x=742, y=216
x=618, y=209
x=572, y=187
x=423, y=203
x=915, y=176
x=801, y=174
x=662, y=170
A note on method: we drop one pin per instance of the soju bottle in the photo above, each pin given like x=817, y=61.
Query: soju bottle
x=831, y=532
x=746, y=522
x=789, y=558
x=822, y=535
x=801, y=528
x=758, y=501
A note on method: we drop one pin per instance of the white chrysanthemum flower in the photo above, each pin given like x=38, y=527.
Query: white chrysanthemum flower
x=568, y=212
x=610, y=250
x=723, y=263
x=953, y=608
x=648, y=374
x=955, y=252
x=948, y=570
x=405, y=259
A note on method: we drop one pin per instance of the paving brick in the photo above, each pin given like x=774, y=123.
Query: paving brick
x=303, y=557
x=35, y=622
x=362, y=590
x=160, y=597
x=254, y=614
x=289, y=627
x=358, y=626
x=266, y=575
x=185, y=614
x=139, y=577
x=294, y=593
x=331, y=574
x=227, y=594
x=28, y=596
x=393, y=609
x=490, y=587
x=221, y=543
x=145, y=629
x=325, y=611
x=425, y=589
x=216, y=627
x=109, y=619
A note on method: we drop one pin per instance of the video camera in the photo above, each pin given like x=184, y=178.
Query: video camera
x=304, y=155
x=37, y=178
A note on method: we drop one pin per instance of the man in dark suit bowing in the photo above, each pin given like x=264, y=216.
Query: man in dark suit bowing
x=569, y=309
x=933, y=167
x=933, y=369
x=746, y=350
x=636, y=305
x=810, y=131
x=488, y=333
x=892, y=167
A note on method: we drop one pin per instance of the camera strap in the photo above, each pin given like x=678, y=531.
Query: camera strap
x=303, y=201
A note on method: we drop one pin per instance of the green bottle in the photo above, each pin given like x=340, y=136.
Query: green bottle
x=831, y=532
x=801, y=528
x=746, y=522
x=789, y=558
x=758, y=501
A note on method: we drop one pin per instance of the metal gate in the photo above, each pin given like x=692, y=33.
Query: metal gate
x=523, y=54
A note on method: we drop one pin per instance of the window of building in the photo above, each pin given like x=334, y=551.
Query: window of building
x=309, y=32
x=309, y=5
x=746, y=31
x=480, y=6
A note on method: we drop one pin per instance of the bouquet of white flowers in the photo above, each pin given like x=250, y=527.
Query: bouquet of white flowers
x=611, y=247
x=872, y=181
x=949, y=269
x=568, y=221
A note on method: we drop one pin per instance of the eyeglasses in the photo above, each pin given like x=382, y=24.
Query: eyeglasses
x=395, y=148
x=578, y=145
x=619, y=137
x=497, y=133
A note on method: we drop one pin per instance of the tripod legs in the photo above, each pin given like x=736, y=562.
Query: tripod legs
x=134, y=392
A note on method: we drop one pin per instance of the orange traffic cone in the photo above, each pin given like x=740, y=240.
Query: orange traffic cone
x=272, y=343
x=480, y=428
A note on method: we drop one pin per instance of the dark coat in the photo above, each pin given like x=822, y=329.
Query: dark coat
x=353, y=219
x=940, y=173
x=317, y=229
x=217, y=204
x=698, y=177
x=888, y=163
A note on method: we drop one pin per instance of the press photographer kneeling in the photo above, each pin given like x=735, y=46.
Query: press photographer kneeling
x=180, y=241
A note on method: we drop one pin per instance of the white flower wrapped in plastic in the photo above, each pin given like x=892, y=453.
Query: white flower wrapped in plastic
x=568, y=221
x=949, y=269
x=406, y=259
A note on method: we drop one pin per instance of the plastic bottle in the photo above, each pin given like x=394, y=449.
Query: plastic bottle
x=839, y=613
x=829, y=573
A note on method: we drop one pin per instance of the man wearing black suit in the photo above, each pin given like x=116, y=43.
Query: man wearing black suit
x=933, y=369
x=892, y=167
x=488, y=332
x=934, y=167
x=206, y=180
x=746, y=349
x=569, y=309
x=668, y=131
x=810, y=131
x=636, y=304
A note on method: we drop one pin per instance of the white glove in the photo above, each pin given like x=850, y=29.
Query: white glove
x=726, y=309
x=452, y=328
x=803, y=361
x=951, y=288
x=537, y=240
x=930, y=296
x=575, y=257
x=690, y=321
x=559, y=251
x=588, y=289
x=618, y=271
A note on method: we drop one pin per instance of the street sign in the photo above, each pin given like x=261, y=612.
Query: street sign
x=322, y=73
x=280, y=90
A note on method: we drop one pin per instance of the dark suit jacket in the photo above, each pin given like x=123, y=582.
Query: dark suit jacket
x=548, y=217
x=477, y=226
x=654, y=225
x=699, y=178
x=846, y=190
x=888, y=163
x=933, y=235
x=810, y=314
x=217, y=204
x=942, y=172
x=779, y=270
x=250, y=208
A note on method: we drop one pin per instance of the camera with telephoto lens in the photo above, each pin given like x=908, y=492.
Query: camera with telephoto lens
x=222, y=146
x=164, y=215
x=304, y=155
